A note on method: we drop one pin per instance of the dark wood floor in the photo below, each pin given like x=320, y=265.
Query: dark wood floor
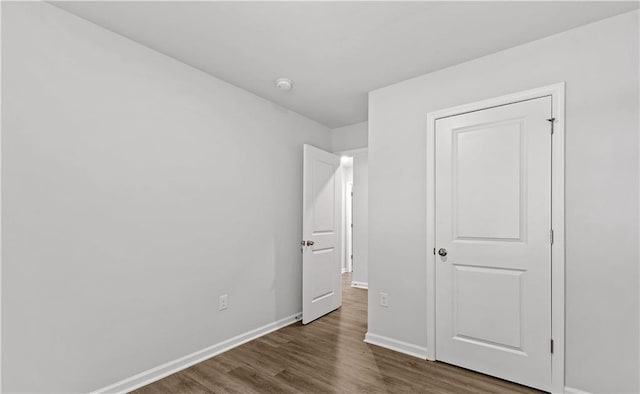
x=326, y=356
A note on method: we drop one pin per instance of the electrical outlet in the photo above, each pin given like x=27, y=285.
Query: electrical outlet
x=222, y=302
x=384, y=299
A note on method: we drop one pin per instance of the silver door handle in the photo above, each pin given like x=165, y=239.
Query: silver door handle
x=442, y=252
x=310, y=243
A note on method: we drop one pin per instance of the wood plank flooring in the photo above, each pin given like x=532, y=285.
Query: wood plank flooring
x=326, y=356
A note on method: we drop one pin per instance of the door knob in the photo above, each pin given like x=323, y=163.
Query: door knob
x=442, y=252
x=309, y=243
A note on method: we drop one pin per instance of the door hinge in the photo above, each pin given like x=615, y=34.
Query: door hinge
x=551, y=346
x=434, y=251
x=351, y=257
x=552, y=121
x=551, y=236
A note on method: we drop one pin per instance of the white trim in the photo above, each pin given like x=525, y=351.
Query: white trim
x=638, y=21
x=0, y=211
x=348, y=225
x=360, y=285
x=171, y=367
x=398, y=346
x=556, y=92
x=571, y=390
x=352, y=152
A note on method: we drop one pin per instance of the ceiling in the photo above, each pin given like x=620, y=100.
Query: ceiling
x=335, y=52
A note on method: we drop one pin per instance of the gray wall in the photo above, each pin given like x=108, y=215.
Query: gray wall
x=599, y=63
x=360, y=218
x=349, y=137
x=135, y=191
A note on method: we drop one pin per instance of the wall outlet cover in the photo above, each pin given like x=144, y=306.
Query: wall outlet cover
x=384, y=299
x=222, y=302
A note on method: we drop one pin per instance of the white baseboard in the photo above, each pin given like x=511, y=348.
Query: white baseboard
x=421, y=352
x=571, y=390
x=360, y=285
x=164, y=370
x=398, y=346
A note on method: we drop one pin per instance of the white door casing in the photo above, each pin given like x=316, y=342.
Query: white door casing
x=493, y=221
x=322, y=219
x=349, y=227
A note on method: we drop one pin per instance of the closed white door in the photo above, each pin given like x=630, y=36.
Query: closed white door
x=322, y=221
x=493, y=235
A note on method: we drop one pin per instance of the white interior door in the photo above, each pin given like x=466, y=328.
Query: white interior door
x=322, y=221
x=493, y=232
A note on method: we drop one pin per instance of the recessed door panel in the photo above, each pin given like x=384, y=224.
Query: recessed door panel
x=323, y=272
x=488, y=306
x=493, y=218
x=324, y=190
x=487, y=172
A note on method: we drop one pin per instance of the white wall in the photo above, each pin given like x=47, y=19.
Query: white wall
x=349, y=137
x=599, y=63
x=360, y=219
x=135, y=191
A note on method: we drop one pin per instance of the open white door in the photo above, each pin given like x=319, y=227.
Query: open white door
x=493, y=232
x=322, y=192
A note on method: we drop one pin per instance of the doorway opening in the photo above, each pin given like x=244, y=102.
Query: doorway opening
x=354, y=168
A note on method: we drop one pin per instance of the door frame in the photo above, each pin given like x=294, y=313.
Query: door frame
x=557, y=93
x=348, y=226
